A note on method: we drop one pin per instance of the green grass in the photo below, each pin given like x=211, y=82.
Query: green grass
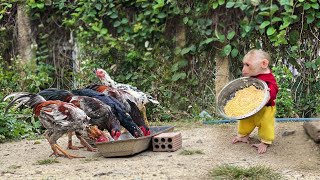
x=47, y=161
x=229, y=172
x=190, y=152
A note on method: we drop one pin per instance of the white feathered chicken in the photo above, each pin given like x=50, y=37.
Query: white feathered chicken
x=140, y=98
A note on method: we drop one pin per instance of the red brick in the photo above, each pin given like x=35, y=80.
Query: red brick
x=167, y=142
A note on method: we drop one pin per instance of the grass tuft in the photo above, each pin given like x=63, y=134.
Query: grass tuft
x=47, y=161
x=190, y=152
x=227, y=172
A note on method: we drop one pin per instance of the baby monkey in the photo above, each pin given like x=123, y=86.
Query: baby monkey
x=256, y=64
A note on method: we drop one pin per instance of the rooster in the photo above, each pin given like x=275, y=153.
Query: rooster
x=140, y=98
x=58, y=118
x=134, y=111
x=100, y=114
x=117, y=108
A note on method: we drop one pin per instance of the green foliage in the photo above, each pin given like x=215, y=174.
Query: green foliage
x=19, y=123
x=16, y=124
x=15, y=78
x=237, y=173
x=295, y=97
x=136, y=45
x=39, y=80
x=284, y=101
x=5, y=7
x=307, y=85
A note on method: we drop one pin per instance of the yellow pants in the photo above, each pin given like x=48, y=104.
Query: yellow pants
x=264, y=120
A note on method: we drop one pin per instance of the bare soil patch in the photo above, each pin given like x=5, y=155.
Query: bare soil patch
x=295, y=156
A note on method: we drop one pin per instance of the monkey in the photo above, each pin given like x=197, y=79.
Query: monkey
x=256, y=64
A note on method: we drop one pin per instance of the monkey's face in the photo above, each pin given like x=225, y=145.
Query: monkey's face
x=251, y=67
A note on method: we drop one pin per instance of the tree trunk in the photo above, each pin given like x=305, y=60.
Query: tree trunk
x=222, y=73
x=24, y=34
x=181, y=36
x=75, y=60
x=222, y=64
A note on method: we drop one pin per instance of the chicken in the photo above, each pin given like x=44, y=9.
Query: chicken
x=134, y=111
x=117, y=108
x=121, y=96
x=140, y=98
x=58, y=118
x=100, y=114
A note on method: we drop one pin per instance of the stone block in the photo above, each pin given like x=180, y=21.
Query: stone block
x=312, y=128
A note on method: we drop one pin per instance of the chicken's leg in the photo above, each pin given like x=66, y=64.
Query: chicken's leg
x=70, y=146
x=56, y=148
x=55, y=152
x=86, y=144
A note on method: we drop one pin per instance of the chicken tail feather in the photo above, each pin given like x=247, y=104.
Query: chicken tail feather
x=23, y=98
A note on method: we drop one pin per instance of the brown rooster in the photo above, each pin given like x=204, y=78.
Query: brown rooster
x=121, y=95
x=100, y=114
x=58, y=118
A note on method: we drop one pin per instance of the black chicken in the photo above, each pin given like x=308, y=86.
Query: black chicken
x=117, y=108
x=58, y=118
x=118, y=94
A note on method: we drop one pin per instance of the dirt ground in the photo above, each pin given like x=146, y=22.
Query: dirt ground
x=295, y=156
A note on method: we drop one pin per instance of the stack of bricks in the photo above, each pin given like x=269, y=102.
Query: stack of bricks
x=167, y=142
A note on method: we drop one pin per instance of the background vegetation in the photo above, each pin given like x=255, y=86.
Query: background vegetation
x=167, y=48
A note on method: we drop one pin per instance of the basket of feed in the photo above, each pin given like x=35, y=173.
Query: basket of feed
x=242, y=98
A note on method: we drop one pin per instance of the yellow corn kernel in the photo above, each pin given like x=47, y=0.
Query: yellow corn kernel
x=245, y=101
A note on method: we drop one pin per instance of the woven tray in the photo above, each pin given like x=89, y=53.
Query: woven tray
x=229, y=90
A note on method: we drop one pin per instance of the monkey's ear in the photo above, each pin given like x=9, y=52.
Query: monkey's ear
x=265, y=63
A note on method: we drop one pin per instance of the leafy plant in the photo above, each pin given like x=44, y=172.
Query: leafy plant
x=285, y=102
x=18, y=123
